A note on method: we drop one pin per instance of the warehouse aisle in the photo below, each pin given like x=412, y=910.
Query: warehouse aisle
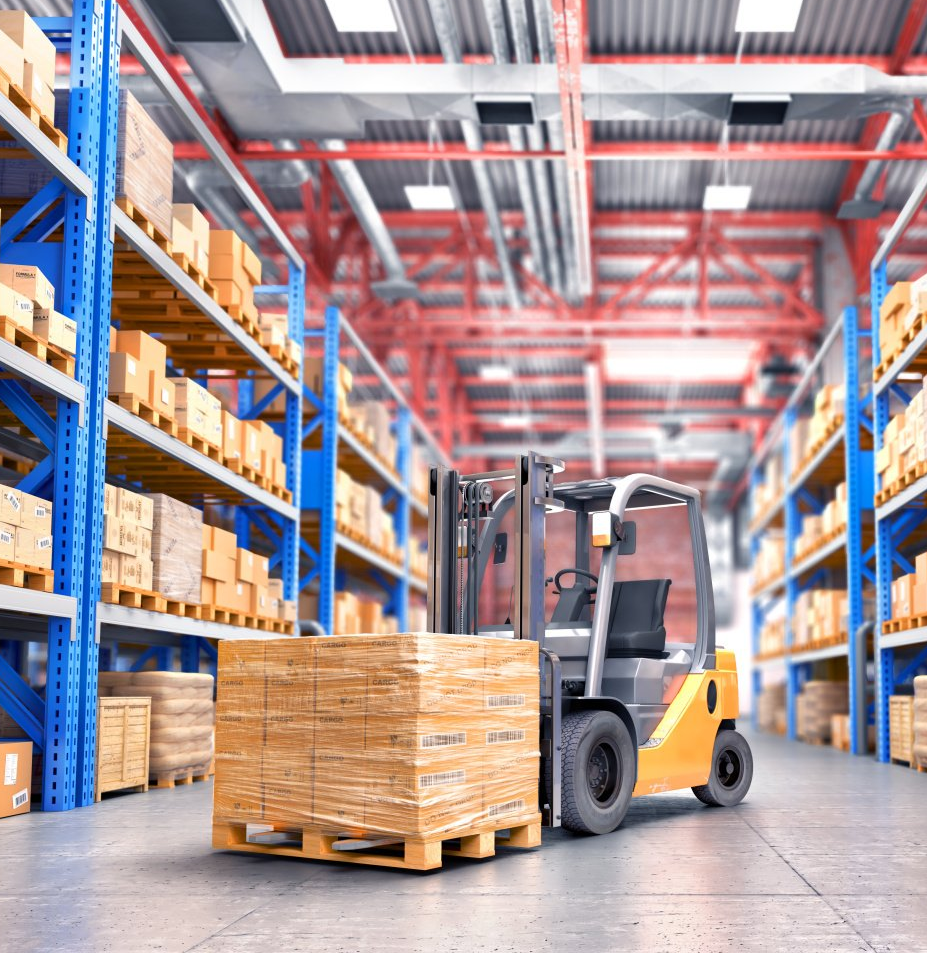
x=829, y=853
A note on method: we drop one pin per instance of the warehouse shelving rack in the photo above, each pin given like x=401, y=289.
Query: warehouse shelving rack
x=841, y=456
x=899, y=656
x=80, y=198
x=332, y=555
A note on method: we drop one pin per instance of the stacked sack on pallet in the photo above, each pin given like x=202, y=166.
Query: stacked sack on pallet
x=920, y=721
x=770, y=709
x=183, y=716
x=815, y=706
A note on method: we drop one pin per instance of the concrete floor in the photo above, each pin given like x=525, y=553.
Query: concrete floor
x=829, y=853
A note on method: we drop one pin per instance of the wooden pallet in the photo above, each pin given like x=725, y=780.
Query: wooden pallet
x=146, y=412
x=819, y=543
x=199, y=444
x=834, y=424
x=315, y=843
x=189, y=268
x=246, y=620
x=909, y=335
x=143, y=222
x=912, y=475
x=24, y=576
x=814, y=644
x=32, y=344
x=33, y=113
x=768, y=581
x=280, y=354
x=902, y=625
x=119, y=595
x=182, y=776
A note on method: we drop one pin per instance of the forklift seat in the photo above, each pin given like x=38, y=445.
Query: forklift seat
x=636, y=627
x=573, y=605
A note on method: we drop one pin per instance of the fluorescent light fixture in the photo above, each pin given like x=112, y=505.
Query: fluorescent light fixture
x=911, y=376
x=430, y=198
x=362, y=16
x=515, y=422
x=727, y=198
x=767, y=16
x=496, y=372
x=682, y=359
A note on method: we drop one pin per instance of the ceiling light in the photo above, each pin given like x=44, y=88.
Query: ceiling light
x=430, y=198
x=496, y=372
x=682, y=359
x=515, y=422
x=728, y=198
x=767, y=16
x=910, y=376
x=362, y=16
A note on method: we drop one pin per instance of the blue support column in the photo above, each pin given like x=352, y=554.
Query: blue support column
x=855, y=480
x=292, y=436
x=884, y=660
x=190, y=653
x=327, y=469
x=404, y=512
x=792, y=529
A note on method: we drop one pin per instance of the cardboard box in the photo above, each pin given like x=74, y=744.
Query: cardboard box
x=8, y=542
x=223, y=542
x=29, y=281
x=246, y=568
x=110, y=567
x=144, y=164
x=198, y=411
x=110, y=500
x=251, y=444
x=260, y=601
x=127, y=375
x=11, y=58
x=36, y=514
x=191, y=218
x=176, y=549
x=16, y=791
x=38, y=91
x=218, y=566
x=11, y=506
x=120, y=536
x=231, y=436
x=56, y=328
x=143, y=347
x=162, y=394
x=133, y=507
x=35, y=45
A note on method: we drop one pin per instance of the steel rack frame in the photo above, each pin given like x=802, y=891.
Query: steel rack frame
x=898, y=517
x=79, y=202
x=336, y=555
x=805, y=493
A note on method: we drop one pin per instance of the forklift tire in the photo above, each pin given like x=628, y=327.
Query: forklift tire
x=731, y=771
x=598, y=772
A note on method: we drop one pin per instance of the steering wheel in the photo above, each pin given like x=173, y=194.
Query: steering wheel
x=576, y=572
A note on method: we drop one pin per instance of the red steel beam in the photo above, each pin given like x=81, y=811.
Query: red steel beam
x=911, y=29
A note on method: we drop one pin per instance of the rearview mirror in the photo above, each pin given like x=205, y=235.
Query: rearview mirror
x=627, y=542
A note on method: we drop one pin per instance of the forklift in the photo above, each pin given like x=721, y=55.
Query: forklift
x=627, y=709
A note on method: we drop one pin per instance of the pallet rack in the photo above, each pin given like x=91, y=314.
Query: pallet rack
x=840, y=456
x=899, y=655
x=331, y=555
x=75, y=432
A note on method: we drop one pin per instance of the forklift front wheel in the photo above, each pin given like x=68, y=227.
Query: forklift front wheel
x=598, y=772
x=731, y=771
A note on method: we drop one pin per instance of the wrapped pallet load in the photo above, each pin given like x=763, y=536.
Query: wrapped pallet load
x=182, y=719
x=412, y=735
x=771, y=709
x=920, y=721
x=818, y=702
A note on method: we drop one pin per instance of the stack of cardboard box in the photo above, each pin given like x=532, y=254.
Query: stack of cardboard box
x=420, y=473
x=144, y=164
x=819, y=614
x=772, y=637
x=25, y=529
x=353, y=615
x=770, y=706
x=198, y=413
x=137, y=367
x=275, y=334
x=410, y=735
x=190, y=236
x=904, y=444
x=920, y=721
x=815, y=705
x=905, y=301
x=770, y=490
x=314, y=379
x=769, y=563
x=176, y=549
x=182, y=717
x=234, y=269
x=27, y=297
x=808, y=434
x=909, y=592
x=360, y=509
x=128, y=521
x=283, y=609
x=28, y=59
x=818, y=529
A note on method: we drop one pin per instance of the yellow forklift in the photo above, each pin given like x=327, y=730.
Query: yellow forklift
x=627, y=708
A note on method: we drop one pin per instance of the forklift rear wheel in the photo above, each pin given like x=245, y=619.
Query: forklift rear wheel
x=598, y=772
x=731, y=771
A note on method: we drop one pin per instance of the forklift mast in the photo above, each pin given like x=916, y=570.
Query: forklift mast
x=456, y=505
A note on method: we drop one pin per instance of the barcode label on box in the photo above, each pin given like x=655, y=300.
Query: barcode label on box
x=442, y=778
x=40, y=512
x=504, y=701
x=43, y=542
x=6, y=536
x=20, y=798
x=444, y=740
x=13, y=500
x=505, y=737
x=509, y=807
